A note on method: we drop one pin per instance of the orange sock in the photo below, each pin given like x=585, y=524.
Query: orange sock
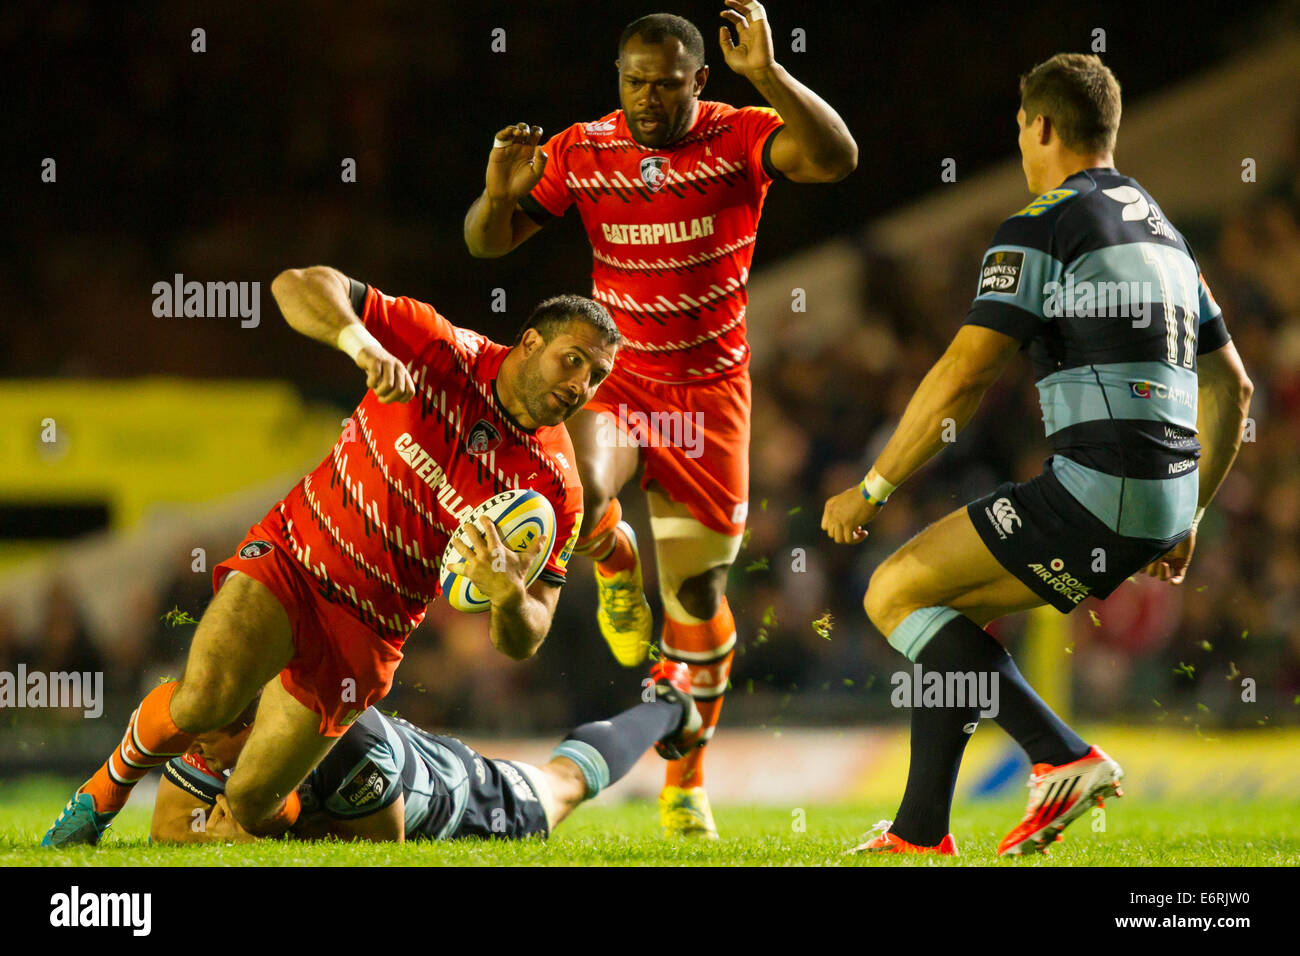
x=707, y=648
x=620, y=558
x=151, y=739
x=602, y=542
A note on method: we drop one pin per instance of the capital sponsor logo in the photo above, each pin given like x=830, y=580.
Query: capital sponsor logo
x=56, y=690
x=1060, y=580
x=1159, y=390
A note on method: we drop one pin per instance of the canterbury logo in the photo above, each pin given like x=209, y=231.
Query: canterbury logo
x=1005, y=515
x=1136, y=206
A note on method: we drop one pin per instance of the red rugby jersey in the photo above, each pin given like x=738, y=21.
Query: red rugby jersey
x=370, y=523
x=672, y=232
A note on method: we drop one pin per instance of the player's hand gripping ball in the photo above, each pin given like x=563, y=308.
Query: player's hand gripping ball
x=520, y=516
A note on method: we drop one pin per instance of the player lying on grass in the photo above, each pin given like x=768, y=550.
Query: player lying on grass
x=387, y=779
x=325, y=589
x=1126, y=388
x=670, y=189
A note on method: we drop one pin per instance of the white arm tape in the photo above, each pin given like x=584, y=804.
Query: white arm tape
x=354, y=337
x=1196, y=522
x=878, y=487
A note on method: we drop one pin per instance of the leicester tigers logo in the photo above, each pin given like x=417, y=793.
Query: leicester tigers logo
x=654, y=172
x=255, y=549
x=482, y=439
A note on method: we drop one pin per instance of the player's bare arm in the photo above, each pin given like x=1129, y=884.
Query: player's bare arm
x=521, y=616
x=815, y=145
x=180, y=817
x=315, y=303
x=1222, y=404
x=495, y=224
x=387, y=825
x=950, y=393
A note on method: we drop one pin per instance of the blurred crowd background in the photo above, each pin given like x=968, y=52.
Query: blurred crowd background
x=225, y=165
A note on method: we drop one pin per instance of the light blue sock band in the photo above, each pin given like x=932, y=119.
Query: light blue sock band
x=589, y=760
x=911, y=636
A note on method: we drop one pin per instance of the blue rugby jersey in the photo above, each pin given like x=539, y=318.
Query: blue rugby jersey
x=1110, y=302
x=380, y=758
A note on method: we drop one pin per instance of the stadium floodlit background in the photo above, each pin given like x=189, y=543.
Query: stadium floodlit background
x=173, y=434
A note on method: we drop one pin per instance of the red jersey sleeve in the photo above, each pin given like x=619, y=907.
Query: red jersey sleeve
x=551, y=196
x=403, y=326
x=567, y=505
x=756, y=124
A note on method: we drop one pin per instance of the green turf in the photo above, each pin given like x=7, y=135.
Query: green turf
x=1136, y=834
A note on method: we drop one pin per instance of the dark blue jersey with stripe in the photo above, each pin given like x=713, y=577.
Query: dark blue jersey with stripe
x=1108, y=298
x=447, y=786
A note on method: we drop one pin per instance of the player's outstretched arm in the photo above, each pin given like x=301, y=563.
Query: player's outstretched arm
x=315, y=302
x=495, y=224
x=383, y=826
x=944, y=402
x=521, y=617
x=815, y=146
x=180, y=817
x=1222, y=404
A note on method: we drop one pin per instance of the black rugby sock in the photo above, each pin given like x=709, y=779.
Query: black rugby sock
x=1020, y=711
x=938, y=740
x=619, y=742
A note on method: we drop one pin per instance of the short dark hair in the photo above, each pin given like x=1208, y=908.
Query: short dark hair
x=657, y=27
x=554, y=314
x=1080, y=95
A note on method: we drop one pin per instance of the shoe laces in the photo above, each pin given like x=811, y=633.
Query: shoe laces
x=880, y=828
x=623, y=598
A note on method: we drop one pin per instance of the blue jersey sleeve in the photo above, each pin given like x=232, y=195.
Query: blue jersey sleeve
x=362, y=774
x=1213, y=333
x=1019, y=273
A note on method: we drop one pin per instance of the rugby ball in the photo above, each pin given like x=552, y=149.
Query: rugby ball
x=520, y=516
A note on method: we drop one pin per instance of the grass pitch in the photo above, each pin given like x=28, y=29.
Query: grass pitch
x=1130, y=833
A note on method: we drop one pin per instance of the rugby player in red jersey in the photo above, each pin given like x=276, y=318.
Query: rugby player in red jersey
x=670, y=189
x=325, y=589
x=389, y=780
